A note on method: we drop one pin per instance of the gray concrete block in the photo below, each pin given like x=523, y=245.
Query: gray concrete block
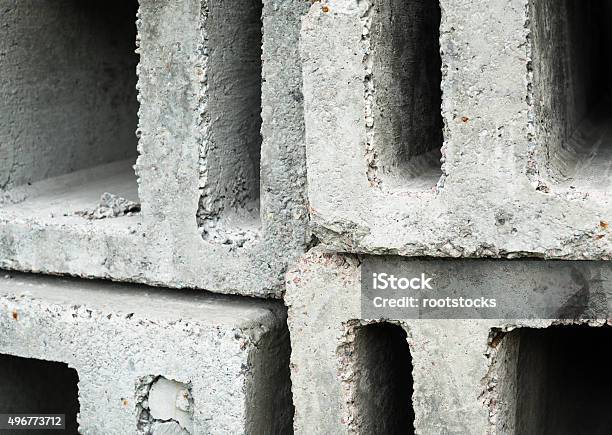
x=524, y=162
x=146, y=361
x=463, y=372
x=214, y=203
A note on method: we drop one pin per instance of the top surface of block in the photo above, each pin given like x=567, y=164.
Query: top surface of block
x=139, y=301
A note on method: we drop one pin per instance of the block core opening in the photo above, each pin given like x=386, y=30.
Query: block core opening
x=383, y=380
x=403, y=94
x=230, y=155
x=570, y=92
x=33, y=386
x=555, y=381
x=68, y=108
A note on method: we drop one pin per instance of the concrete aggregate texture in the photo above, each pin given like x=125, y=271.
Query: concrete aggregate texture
x=189, y=189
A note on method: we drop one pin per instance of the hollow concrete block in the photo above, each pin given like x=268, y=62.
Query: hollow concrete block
x=151, y=360
x=516, y=170
x=213, y=202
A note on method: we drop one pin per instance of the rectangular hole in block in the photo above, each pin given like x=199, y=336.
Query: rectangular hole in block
x=558, y=381
x=231, y=151
x=383, y=380
x=571, y=92
x=68, y=105
x=31, y=386
x=403, y=89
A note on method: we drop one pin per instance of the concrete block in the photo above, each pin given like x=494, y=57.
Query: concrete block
x=510, y=160
x=351, y=374
x=146, y=361
x=213, y=203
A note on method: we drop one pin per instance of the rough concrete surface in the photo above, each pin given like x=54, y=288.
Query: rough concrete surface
x=465, y=373
x=495, y=196
x=68, y=87
x=223, y=207
x=207, y=144
x=226, y=359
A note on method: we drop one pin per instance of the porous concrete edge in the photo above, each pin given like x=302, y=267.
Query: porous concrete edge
x=348, y=373
x=284, y=201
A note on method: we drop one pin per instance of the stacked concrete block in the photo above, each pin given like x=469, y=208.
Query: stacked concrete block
x=188, y=143
x=452, y=129
x=211, y=204
x=356, y=375
x=524, y=150
x=509, y=160
x=159, y=143
x=146, y=360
